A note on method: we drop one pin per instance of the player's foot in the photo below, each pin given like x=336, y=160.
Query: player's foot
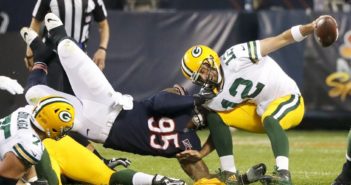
x=344, y=177
x=279, y=177
x=28, y=35
x=40, y=51
x=229, y=178
x=55, y=27
x=162, y=180
x=254, y=173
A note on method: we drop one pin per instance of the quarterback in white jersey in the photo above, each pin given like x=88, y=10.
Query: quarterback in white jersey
x=248, y=90
x=250, y=77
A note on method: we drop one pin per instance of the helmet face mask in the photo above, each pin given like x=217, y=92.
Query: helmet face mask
x=201, y=65
x=54, y=116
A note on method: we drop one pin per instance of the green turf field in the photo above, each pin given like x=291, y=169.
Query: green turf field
x=316, y=157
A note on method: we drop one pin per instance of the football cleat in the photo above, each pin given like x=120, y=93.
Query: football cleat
x=52, y=21
x=254, y=173
x=55, y=27
x=163, y=180
x=344, y=178
x=229, y=178
x=279, y=177
x=28, y=35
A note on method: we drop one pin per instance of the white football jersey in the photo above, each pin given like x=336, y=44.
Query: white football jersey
x=17, y=136
x=250, y=77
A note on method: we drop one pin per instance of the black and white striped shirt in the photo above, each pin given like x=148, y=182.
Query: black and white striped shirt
x=76, y=15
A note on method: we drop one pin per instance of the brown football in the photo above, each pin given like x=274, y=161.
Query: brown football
x=326, y=30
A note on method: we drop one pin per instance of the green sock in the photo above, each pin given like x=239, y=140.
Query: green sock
x=124, y=177
x=221, y=136
x=45, y=170
x=277, y=136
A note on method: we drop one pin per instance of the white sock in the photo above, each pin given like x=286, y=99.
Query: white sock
x=140, y=178
x=227, y=163
x=348, y=157
x=282, y=162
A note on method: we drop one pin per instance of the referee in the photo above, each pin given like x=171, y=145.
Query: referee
x=77, y=16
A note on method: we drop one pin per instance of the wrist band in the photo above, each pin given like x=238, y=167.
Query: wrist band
x=296, y=34
x=103, y=48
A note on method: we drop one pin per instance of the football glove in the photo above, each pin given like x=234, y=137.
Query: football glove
x=124, y=100
x=112, y=163
x=206, y=93
x=10, y=85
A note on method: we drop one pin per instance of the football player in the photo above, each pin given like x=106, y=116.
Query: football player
x=250, y=92
x=23, y=130
x=344, y=178
x=160, y=125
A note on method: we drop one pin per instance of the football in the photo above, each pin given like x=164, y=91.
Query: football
x=326, y=31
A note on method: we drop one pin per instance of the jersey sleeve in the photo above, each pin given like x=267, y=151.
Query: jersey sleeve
x=41, y=8
x=168, y=103
x=29, y=148
x=99, y=11
x=245, y=53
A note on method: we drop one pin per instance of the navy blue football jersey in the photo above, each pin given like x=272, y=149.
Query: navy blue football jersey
x=155, y=126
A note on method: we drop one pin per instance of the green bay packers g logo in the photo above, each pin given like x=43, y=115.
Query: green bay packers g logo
x=197, y=51
x=65, y=116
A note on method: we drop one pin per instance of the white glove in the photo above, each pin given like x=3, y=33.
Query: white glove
x=124, y=100
x=11, y=85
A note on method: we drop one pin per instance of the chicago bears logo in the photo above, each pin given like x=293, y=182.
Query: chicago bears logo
x=65, y=116
x=197, y=51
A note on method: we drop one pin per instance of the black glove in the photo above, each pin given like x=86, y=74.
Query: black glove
x=205, y=94
x=112, y=163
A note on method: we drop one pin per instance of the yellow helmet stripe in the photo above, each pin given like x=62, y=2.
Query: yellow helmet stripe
x=22, y=153
x=186, y=69
x=48, y=101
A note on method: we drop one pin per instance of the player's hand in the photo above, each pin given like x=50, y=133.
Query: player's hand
x=118, y=162
x=10, y=85
x=189, y=156
x=99, y=58
x=206, y=93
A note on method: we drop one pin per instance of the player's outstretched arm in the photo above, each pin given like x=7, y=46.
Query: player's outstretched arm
x=294, y=34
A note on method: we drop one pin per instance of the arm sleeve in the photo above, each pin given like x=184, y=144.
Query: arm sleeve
x=41, y=8
x=220, y=134
x=242, y=54
x=167, y=103
x=44, y=169
x=99, y=11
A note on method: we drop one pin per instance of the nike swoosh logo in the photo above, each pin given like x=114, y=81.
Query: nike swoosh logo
x=51, y=20
x=88, y=131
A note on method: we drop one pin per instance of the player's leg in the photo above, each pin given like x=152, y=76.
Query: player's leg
x=345, y=176
x=89, y=84
x=243, y=117
x=281, y=114
x=82, y=165
x=77, y=162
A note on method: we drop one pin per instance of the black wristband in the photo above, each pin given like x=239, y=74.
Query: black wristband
x=103, y=48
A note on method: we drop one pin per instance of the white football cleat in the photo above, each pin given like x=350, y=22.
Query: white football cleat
x=52, y=21
x=28, y=35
